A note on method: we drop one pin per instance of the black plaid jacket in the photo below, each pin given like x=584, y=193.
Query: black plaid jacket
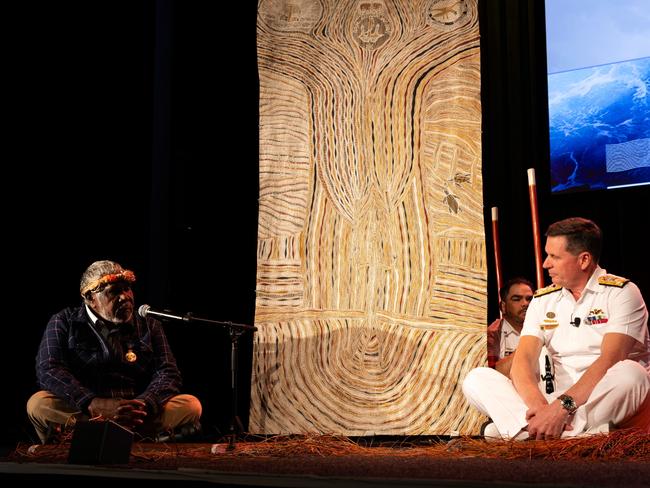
x=76, y=364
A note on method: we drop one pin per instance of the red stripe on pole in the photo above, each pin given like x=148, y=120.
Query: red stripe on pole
x=497, y=250
x=532, y=193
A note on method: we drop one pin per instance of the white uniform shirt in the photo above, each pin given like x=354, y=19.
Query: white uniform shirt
x=509, y=339
x=601, y=309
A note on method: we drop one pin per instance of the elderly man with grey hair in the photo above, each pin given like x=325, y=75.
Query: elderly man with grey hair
x=102, y=361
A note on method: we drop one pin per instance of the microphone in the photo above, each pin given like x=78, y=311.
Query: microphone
x=575, y=322
x=145, y=311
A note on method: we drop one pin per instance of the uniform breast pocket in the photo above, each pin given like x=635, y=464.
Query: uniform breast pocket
x=597, y=327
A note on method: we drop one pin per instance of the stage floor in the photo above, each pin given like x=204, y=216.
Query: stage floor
x=324, y=461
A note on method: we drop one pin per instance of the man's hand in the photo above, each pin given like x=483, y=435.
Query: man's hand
x=547, y=421
x=129, y=413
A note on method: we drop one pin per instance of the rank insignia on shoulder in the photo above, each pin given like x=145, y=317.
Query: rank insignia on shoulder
x=546, y=290
x=612, y=280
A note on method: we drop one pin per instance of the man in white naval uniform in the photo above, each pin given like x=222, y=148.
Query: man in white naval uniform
x=503, y=334
x=594, y=326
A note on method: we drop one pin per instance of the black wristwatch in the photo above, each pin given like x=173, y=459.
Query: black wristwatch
x=568, y=403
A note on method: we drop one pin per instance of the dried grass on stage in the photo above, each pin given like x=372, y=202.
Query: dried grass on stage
x=622, y=445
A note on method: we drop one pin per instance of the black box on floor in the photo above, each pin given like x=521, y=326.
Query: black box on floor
x=102, y=442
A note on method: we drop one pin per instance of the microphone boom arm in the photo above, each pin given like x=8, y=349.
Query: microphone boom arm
x=145, y=311
x=189, y=317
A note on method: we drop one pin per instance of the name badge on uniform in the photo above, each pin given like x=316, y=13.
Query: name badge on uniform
x=549, y=322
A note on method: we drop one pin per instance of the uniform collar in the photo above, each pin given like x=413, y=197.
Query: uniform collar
x=507, y=328
x=593, y=285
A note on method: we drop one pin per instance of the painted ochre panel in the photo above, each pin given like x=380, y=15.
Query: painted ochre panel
x=371, y=275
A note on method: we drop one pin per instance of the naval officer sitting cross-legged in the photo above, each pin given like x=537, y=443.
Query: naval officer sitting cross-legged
x=595, y=327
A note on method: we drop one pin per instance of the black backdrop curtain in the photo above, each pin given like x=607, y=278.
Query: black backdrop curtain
x=513, y=75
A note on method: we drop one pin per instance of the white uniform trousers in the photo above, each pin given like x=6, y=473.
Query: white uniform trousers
x=616, y=397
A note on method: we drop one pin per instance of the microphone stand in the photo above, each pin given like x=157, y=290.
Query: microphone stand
x=236, y=331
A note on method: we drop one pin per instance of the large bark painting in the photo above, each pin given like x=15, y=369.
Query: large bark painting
x=371, y=281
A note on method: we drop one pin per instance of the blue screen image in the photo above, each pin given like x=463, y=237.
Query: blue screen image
x=598, y=94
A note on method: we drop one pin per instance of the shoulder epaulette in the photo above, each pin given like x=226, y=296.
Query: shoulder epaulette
x=613, y=280
x=546, y=290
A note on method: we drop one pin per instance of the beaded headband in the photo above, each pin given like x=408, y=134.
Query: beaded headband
x=100, y=283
